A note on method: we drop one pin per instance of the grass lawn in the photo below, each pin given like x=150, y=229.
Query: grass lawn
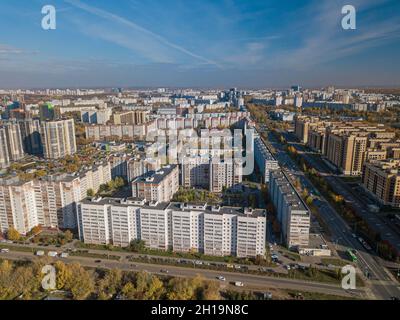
x=335, y=262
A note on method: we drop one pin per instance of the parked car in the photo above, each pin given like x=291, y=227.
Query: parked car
x=239, y=284
x=40, y=253
x=4, y=250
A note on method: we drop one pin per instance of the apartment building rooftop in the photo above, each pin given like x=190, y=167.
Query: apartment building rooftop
x=204, y=207
x=155, y=177
x=389, y=165
x=267, y=155
x=127, y=202
x=175, y=206
x=290, y=193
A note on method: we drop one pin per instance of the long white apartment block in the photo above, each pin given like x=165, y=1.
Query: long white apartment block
x=292, y=212
x=217, y=231
x=266, y=162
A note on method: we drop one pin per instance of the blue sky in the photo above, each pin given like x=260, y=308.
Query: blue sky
x=201, y=43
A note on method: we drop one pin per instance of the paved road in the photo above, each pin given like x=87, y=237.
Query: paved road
x=383, y=287
x=360, y=204
x=251, y=281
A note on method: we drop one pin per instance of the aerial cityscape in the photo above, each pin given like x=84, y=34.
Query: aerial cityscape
x=138, y=162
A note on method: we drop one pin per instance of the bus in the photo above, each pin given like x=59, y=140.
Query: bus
x=352, y=255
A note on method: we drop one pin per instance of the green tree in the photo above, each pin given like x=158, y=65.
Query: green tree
x=137, y=246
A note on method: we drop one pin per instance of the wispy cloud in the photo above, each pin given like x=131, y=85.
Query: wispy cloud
x=132, y=25
x=9, y=50
x=323, y=40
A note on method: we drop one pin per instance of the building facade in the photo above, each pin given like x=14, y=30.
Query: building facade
x=216, y=231
x=58, y=138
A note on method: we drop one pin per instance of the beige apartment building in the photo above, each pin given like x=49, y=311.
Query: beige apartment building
x=382, y=179
x=58, y=138
x=131, y=117
x=348, y=145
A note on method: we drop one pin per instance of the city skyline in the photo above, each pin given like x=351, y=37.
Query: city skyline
x=233, y=43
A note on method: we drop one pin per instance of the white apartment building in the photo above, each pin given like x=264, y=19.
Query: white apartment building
x=225, y=174
x=195, y=171
x=11, y=145
x=218, y=231
x=17, y=206
x=49, y=201
x=158, y=186
x=264, y=159
x=292, y=213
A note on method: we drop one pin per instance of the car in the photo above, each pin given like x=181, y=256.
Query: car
x=239, y=284
x=221, y=278
x=133, y=265
x=64, y=255
x=267, y=296
x=164, y=271
x=98, y=261
x=287, y=267
x=4, y=250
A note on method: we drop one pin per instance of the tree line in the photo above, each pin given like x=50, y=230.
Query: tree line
x=23, y=280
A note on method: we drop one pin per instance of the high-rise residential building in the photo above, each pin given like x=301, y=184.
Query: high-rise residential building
x=382, y=179
x=47, y=112
x=225, y=174
x=49, y=201
x=159, y=186
x=264, y=159
x=58, y=138
x=292, y=212
x=97, y=116
x=131, y=117
x=347, y=145
x=302, y=125
x=11, y=146
x=17, y=206
x=30, y=133
x=347, y=152
x=218, y=231
x=195, y=172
